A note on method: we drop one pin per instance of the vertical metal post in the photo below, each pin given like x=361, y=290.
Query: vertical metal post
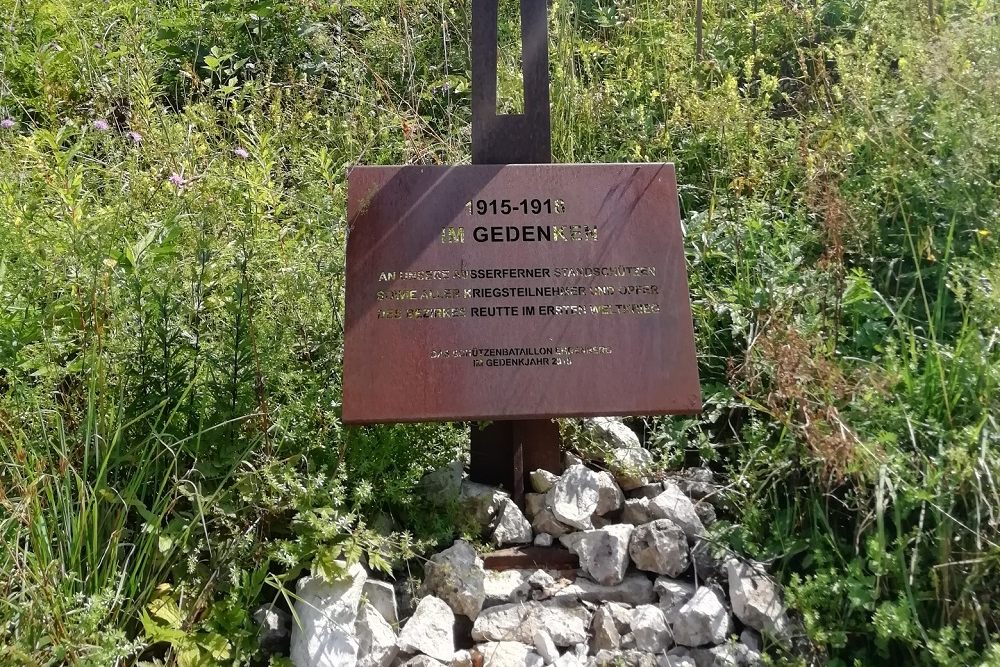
x=504, y=452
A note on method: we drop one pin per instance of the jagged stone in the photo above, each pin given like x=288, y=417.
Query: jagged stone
x=508, y=654
x=326, y=612
x=649, y=627
x=650, y=490
x=421, y=661
x=376, y=639
x=672, y=594
x=462, y=658
x=636, y=511
x=546, y=522
x=635, y=589
x=575, y=497
x=430, y=630
x=570, y=459
x=542, y=480
x=512, y=527
x=751, y=639
x=659, y=546
x=456, y=575
x=622, y=658
x=705, y=512
x=703, y=619
x=612, y=432
x=382, y=596
x=675, y=661
x=604, y=631
x=503, y=586
x=482, y=501
x=674, y=505
x=603, y=552
x=543, y=540
x=629, y=466
x=545, y=647
x=697, y=483
x=274, y=628
x=442, y=485
x=756, y=600
x=533, y=504
x=704, y=561
x=566, y=624
x=609, y=496
x=726, y=655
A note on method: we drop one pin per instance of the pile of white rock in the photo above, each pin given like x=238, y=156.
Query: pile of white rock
x=649, y=589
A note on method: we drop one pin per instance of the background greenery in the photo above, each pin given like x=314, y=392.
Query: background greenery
x=171, y=298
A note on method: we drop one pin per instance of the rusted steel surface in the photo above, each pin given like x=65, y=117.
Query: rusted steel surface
x=524, y=558
x=588, y=316
x=510, y=138
x=505, y=452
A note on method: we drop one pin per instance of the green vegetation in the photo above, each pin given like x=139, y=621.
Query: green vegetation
x=172, y=192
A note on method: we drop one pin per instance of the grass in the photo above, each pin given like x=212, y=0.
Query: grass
x=172, y=193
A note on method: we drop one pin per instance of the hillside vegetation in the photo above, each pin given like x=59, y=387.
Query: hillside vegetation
x=172, y=223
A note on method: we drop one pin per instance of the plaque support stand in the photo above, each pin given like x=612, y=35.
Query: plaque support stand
x=503, y=453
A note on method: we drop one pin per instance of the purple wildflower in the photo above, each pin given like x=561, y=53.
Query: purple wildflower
x=100, y=125
x=135, y=137
x=177, y=180
x=241, y=153
x=7, y=123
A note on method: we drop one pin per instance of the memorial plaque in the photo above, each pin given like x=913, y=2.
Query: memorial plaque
x=516, y=292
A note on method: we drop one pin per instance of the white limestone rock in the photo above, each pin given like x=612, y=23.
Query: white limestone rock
x=636, y=511
x=543, y=540
x=546, y=522
x=613, y=432
x=456, y=575
x=659, y=546
x=751, y=639
x=756, y=600
x=484, y=502
x=675, y=661
x=326, y=611
x=650, y=490
x=672, y=595
x=630, y=466
x=542, y=480
x=423, y=661
x=575, y=497
x=726, y=655
x=570, y=459
x=508, y=654
x=382, y=596
x=444, y=484
x=705, y=512
x=603, y=552
x=512, y=527
x=609, y=496
x=674, y=505
x=431, y=630
x=376, y=639
x=635, y=589
x=461, y=658
x=604, y=631
x=566, y=624
x=503, y=586
x=702, y=620
x=533, y=504
x=649, y=627
x=545, y=647
x=274, y=628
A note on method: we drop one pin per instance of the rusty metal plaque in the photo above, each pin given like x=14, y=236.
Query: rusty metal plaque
x=516, y=292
